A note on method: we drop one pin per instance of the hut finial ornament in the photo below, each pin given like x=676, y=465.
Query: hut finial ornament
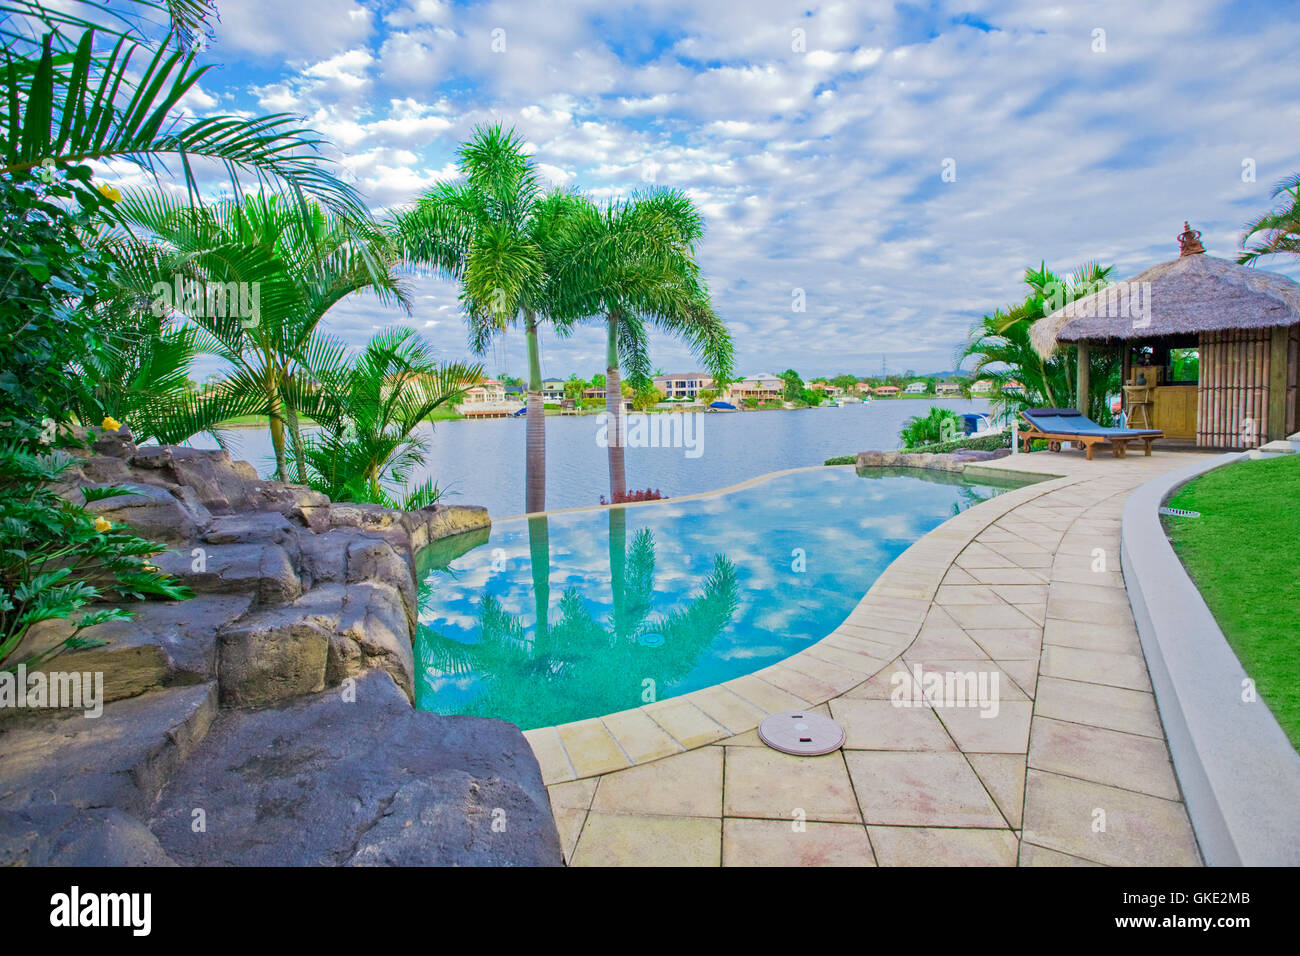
x=1189, y=241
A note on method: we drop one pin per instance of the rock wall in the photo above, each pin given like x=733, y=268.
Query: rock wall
x=291, y=668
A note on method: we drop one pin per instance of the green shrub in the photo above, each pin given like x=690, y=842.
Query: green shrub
x=842, y=460
x=983, y=443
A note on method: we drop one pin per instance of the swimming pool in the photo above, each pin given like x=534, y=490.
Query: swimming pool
x=550, y=619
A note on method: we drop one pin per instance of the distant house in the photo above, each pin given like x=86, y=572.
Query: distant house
x=593, y=392
x=683, y=384
x=916, y=388
x=889, y=391
x=487, y=392
x=863, y=387
x=516, y=393
x=948, y=388
x=982, y=387
x=826, y=388
x=553, y=389
x=1014, y=387
x=763, y=387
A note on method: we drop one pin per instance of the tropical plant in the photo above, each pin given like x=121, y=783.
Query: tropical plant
x=939, y=424
x=55, y=558
x=287, y=265
x=494, y=231
x=632, y=266
x=1278, y=230
x=1004, y=354
x=369, y=412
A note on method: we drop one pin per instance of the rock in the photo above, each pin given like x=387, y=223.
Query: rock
x=349, y=514
x=282, y=652
x=372, y=560
x=293, y=501
x=165, y=643
x=120, y=759
x=152, y=456
x=151, y=512
x=59, y=835
x=263, y=570
x=442, y=521
x=375, y=631
x=327, y=780
x=118, y=444
x=223, y=488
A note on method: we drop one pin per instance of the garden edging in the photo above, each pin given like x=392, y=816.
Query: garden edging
x=1237, y=769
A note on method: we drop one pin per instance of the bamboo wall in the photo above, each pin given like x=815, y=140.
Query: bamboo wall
x=1233, y=391
x=1292, y=381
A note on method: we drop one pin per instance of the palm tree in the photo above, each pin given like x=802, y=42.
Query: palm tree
x=301, y=262
x=495, y=232
x=67, y=98
x=1003, y=352
x=369, y=411
x=632, y=265
x=1278, y=229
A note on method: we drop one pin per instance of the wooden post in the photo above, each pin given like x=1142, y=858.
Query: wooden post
x=1276, y=395
x=1082, y=379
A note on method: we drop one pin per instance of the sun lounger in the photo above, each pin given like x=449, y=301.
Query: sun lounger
x=1057, y=425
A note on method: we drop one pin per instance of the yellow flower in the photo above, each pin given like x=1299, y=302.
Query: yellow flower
x=110, y=193
x=103, y=524
x=111, y=424
x=149, y=567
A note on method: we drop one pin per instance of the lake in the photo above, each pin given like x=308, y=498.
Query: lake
x=482, y=462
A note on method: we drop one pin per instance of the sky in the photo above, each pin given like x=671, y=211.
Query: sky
x=895, y=167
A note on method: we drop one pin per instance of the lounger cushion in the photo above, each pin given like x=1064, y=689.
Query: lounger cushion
x=1062, y=421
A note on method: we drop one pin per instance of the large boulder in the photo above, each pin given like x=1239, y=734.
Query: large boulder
x=281, y=652
x=356, y=776
x=263, y=570
x=152, y=512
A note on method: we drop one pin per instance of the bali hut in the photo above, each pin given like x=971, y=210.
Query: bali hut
x=1210, y=348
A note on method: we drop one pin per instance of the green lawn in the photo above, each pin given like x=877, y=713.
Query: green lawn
x=1242, y=554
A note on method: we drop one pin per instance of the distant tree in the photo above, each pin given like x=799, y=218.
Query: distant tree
x=598, y=380
x=1278, y=230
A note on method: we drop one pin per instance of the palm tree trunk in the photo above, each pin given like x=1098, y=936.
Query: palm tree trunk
x=277, y=436
x=618, y=566
x=539, y=554
x=614, y=414
x=535, y=438
x=295, y=438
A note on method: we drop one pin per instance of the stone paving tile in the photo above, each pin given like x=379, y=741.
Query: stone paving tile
x=568, y=824
x=1003, y=775
x=839, y=678
x=801, y=685
x=883, y=725
x=625, y=840
x=549, y=751
x=574, y=795
x=920, y=789
x=1025, y=643
x=1097, y=667
x=850, y=659
x=979, y=615
x=1129, y=761
x=1007, y=732
x=1061, y=814
x=935, y=846
x=730, y=711
x=1115, y=708
x=965, y=685
x=966, y=594
x=1010, y=575
x=687, y=724
x=883, y=684
x=686, y=785
x=1118, y=639
x=939, y=644
x=1024, y=673
x=1031, y=855
x=591, y=748
x=777, y=843
x=760, y=693
x=761, y=782
x=640, y=737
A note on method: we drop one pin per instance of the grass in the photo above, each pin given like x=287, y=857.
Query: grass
x=1241, y=553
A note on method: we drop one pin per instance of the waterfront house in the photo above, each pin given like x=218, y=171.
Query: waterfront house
x=889, y=391
x=487, y=392
x=1013, y=388
x=949, y=389
x=917, y=388
x=593, y=392
x=982, y=387
x=553, y=389
x=683, y=384
x=1210, y=348
x=764, y=387
x=827, y=389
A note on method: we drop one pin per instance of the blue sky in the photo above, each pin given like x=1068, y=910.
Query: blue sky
x=812, y=136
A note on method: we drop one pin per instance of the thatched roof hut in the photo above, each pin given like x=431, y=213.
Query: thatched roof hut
x=1243, y=323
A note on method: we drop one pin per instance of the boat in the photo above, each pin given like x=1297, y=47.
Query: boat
x=722, y=407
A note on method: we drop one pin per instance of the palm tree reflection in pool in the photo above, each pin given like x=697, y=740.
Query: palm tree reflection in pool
x=572, y=664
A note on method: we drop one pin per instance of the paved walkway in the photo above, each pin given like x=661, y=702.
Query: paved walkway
x=1025, y=593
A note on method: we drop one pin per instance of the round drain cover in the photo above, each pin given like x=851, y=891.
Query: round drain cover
x=801, y=733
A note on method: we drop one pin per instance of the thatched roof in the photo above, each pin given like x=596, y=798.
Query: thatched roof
x=1193, y=293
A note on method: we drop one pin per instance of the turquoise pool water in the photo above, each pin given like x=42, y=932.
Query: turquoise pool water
x=546, y=620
